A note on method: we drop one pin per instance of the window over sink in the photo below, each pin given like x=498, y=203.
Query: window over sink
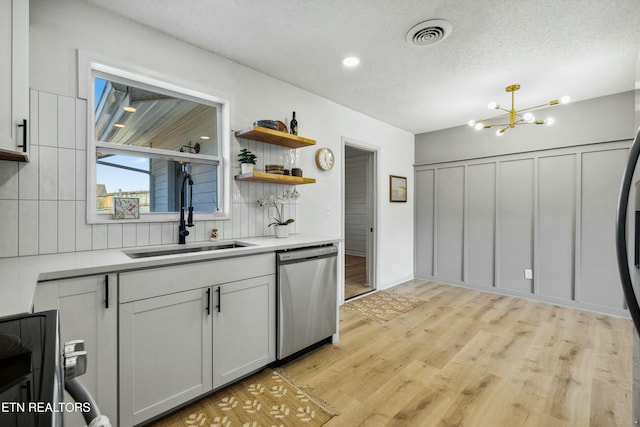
x=144, y=135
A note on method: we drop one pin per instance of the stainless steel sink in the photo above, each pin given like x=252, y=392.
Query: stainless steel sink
x=175, y=250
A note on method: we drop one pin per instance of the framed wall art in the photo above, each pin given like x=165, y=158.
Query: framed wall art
x=397, y=188
x=126, y=208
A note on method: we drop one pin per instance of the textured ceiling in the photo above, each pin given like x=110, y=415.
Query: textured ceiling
x=583, y=48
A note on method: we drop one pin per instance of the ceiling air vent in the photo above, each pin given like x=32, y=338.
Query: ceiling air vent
x=428, y=33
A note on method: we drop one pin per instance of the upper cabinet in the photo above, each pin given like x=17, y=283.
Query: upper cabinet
x=14, y=79
x=258, y=133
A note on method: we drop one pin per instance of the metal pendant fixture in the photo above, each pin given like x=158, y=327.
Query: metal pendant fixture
x=515, y=117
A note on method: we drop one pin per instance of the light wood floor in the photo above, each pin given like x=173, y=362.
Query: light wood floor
x=467, y=358
x=355, y=276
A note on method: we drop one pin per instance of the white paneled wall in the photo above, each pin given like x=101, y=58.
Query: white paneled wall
x=356, y=208
x=481, y=222
x=43, y=202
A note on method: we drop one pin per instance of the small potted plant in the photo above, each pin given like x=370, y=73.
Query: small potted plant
x=247, y=161
x=281, y=226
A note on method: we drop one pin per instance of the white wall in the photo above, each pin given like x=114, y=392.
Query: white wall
x=58, y=28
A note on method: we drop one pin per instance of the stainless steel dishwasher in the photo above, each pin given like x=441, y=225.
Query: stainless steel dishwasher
x=307, y=298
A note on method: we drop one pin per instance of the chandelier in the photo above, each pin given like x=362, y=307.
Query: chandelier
x=515, y=117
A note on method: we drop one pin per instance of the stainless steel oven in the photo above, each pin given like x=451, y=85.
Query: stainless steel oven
x=31, y=371
x=35, y=368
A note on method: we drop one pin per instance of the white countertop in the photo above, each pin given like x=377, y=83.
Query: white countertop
x=20, y=275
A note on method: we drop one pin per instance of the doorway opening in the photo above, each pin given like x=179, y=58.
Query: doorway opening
x=360, y=200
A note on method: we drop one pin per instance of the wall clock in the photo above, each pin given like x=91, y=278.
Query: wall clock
x=325, y=159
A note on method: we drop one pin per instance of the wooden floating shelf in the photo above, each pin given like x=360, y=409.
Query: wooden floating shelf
x=258, y=133
x=273, y=178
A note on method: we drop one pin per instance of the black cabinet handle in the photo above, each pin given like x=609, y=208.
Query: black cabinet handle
x=219, y=299
x=106, y=291
x=24, y=135
x=208, y=301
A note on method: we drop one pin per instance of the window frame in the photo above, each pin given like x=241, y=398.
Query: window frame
x=101, y=70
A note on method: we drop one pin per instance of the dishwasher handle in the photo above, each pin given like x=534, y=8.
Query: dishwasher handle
x=301, y=255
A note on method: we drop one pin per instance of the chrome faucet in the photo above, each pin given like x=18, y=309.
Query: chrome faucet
x=182, y=229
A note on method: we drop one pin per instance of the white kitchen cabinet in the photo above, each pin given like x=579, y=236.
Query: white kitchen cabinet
x=186, y=329
x=165, y=353
x=88, y=310
x=14, y=79
x=244, y=328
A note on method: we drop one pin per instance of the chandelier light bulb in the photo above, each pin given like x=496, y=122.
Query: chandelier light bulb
x=528, y=117
x=351, y=61
x=479, y=126
x=472, y=123
x=500, y=132
x=565, y=99
x=493, y=105
x=549, y=121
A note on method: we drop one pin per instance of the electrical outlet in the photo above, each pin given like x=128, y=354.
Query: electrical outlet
x=528, y=273
x=327, y=211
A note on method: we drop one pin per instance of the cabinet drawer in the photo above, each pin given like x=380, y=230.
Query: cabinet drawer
x=136, y=285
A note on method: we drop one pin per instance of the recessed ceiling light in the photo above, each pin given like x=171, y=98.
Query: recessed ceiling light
x=205, y=137
x=130, y=109
x=350, y=61
x=118, y=125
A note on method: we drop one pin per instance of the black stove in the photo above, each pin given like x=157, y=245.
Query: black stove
x=31, y=370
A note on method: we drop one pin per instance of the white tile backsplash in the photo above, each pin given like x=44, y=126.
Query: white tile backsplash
x=8, y=180
x=34, y=124
x=66, y=174
x=48, y=119
x=81, y=124
x=66, y=226
x=169, y=233
x=48, y=173
x=28, y=184
x=9, y=220
x=43, y=203
x=48, y=226
x=114, y=236
x=66, y=122
x=155, y=233
x=142, y=234
x=28, y=227
x=129, y=235
x=99, y=236
x=83, y=230
x=81, y=175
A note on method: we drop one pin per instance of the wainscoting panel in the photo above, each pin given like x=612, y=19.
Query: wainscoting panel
x=601, y=177
x=450, y=224
x=424, y=223
x=515, y=224
x=556, y=225
x=481, y=222
x=481, y=219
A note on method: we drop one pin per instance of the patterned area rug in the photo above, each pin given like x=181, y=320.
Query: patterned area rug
x=266, y=399
x=381, y=306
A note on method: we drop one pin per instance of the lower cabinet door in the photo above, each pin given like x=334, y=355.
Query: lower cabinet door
x=165, y=353
x=88, y=311
x=244, y=327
